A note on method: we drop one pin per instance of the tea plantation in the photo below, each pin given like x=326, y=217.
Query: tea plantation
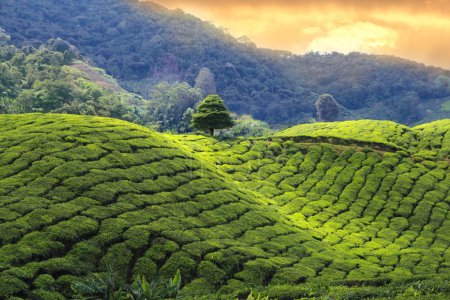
x=385, y=133
x=333, y=211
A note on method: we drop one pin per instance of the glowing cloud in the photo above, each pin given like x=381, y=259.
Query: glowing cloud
x=414, y=29
x=361, y=36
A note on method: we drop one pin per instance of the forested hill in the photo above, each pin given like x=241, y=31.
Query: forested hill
x=143, y=44
x=51, y=79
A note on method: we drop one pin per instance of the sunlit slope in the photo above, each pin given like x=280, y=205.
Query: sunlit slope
x=80, y=194
x=434, y=138
x=373, y=132
x=385, y=209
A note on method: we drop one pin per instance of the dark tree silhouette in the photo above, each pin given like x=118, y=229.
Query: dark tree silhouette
x=327, y=108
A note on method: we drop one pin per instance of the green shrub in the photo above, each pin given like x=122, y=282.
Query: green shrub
x=211, y=273
x=179, y=261
x=10, y=285
x=118, y=257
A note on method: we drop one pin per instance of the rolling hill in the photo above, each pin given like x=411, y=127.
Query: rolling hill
x=141, y=44
x=295, y=215
x=383, y=133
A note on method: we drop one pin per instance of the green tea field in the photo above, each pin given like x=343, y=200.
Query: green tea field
x=345, y=210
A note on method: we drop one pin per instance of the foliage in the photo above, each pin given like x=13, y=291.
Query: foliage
x=106, y=286
x=156, y=289
x=446, y=106
x=171, y=105
x=443, y=82
x=212, y=114
x=256, y=296
x=246, y=126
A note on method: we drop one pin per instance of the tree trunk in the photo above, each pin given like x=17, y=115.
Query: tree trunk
x=211, y=131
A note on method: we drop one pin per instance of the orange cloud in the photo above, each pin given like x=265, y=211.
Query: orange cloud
x=360, y=36
x=414, y=29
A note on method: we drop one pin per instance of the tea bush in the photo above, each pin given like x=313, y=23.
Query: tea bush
x=290, y=217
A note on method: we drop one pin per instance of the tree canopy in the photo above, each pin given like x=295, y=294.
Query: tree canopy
x=212, y=114
x=46, y=80
x=171, y=104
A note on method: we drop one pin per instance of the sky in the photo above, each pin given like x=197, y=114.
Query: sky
x=414, y=29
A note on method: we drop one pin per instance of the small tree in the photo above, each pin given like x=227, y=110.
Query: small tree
x=205, y=82
x=212, y=114
x=327, y=108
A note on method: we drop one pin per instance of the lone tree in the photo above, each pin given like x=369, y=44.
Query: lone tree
x=212, y=114
x=327, y=108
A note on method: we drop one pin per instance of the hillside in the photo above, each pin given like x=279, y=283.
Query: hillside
x=52, y=78
x=375, y=86
x=142, y=44
x=434, y=137
x=363, y=131
x=82, y=194
x=431, y=139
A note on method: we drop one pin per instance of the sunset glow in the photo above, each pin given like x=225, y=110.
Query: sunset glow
x=413, y=29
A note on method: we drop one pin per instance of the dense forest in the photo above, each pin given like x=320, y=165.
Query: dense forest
x=54, y=78
x=48, y=80
x=143, y=44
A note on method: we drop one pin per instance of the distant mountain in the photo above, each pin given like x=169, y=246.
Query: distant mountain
x=141, y=44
